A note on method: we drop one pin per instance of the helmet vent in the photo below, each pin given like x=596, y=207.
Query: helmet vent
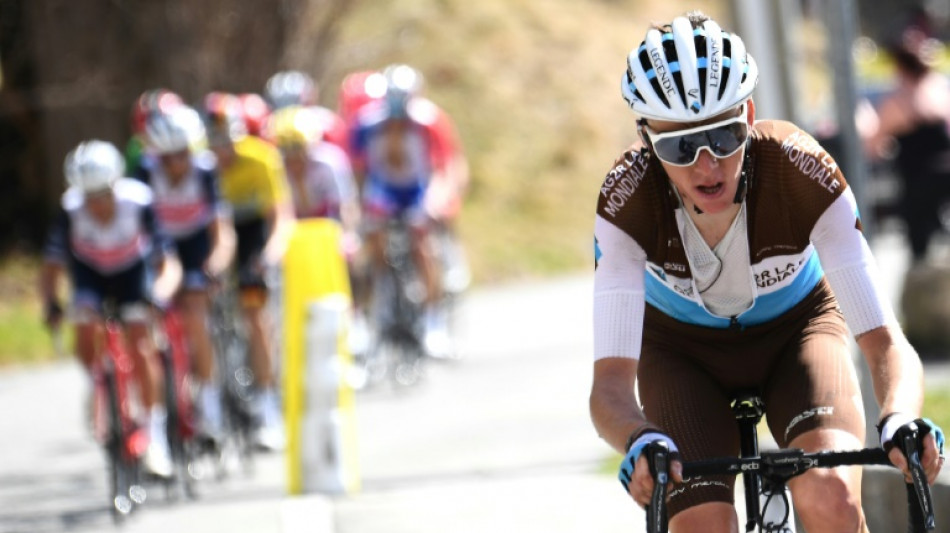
x=726, y=63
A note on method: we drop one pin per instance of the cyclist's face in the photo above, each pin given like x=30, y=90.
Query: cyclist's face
x=101, y=205
x=709, y=183
x=176, y=165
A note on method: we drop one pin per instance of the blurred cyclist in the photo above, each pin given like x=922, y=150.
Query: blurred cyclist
x=108, y=239
x=190, y=209
x=405, y=147
x=255, y=111
x=253, y=182
x=294, y=88
x=149, y=103
x=319, y=172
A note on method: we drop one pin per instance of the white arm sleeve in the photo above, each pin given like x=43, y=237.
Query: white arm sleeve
x=619, y=296
x=850, y=268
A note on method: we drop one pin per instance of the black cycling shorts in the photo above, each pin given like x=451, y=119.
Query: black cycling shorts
x=251, y=238
x=800, y=364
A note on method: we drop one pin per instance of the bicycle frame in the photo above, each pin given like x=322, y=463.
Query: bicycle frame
x=125, y=443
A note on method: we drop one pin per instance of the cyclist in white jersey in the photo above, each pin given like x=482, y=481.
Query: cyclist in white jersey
x=729, y=256
x=188, y=205
x=108, y=239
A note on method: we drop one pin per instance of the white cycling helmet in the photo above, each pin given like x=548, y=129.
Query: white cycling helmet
x=93, y=166
x=180, y=129
x=691, y=72
x=290, y=87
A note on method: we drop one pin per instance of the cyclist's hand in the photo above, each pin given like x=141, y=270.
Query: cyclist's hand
x=931, y=459
x=635, y=473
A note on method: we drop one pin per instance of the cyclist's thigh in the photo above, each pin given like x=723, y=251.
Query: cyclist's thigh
x=692, y=408
x=813, y=384
x=193, y=252
x=128, y=289
x=88, y=293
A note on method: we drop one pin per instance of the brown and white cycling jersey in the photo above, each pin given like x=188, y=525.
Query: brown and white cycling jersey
x=798, y=207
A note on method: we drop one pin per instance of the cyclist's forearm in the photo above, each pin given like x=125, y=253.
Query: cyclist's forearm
x=613, y=405
x=281, y=223
x=896, y=371
x=225, y=243
x=49, y=281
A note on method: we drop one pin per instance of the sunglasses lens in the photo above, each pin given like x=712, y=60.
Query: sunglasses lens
x=722, y=141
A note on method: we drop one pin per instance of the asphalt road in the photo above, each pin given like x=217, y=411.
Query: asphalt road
x=498, y=441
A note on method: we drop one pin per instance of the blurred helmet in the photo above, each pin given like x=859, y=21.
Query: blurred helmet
x=93, y=166
x=255, y=111
x=153, y=102
x=180, y=129
x=690, y=70
x=295, y=126
x=224, y=118
x=402, y=84
x=359, y=89
x=290, y=87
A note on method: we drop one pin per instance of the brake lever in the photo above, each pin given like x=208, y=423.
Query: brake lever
x=909, y=443
x=658, y=457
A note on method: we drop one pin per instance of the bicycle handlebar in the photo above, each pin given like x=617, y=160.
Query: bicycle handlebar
x=782, y=465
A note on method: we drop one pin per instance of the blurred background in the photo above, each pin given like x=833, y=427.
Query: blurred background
x=532, y=86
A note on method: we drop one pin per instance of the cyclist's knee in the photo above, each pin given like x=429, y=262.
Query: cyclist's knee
x=713, y=517
x=829, y=500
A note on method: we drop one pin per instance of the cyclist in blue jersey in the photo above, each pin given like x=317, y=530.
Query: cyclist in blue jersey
x=108, y=240
x=730, y=257
x=184, y=183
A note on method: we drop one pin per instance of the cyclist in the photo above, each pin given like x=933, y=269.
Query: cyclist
x=404, y=147
x=107, y=238
x=319, y=172
x=255, y=111
x=724, y=248
x=295, y=88
x=253, y=183
x=189, y=207
x=148, y=104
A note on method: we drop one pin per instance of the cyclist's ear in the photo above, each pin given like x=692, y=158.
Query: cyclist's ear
x=750, y=111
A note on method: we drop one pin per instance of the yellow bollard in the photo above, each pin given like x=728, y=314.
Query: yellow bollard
x=315, y=271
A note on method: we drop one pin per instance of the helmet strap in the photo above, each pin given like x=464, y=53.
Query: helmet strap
x=743, y=188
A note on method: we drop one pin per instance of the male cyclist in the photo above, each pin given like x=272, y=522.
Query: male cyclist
x=289, y=88
x=149, y=103
x=252, y=181
x=730, y=256
x=411, y=167
x=107, y=238
x=189, y=207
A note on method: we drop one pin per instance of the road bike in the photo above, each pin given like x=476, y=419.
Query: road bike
x=180, y=425
x=235, y=379
x=124, y=441
x=398, y=307
x=766, y=474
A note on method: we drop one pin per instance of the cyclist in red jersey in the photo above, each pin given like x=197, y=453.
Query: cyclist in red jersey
x=729, y=256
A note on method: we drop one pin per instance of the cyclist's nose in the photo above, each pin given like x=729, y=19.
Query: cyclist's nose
x=706, y=162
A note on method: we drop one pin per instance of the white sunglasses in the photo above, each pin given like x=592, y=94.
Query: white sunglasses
x=681, y=148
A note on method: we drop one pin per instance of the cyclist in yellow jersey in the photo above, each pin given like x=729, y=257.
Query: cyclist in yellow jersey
x=253, y=182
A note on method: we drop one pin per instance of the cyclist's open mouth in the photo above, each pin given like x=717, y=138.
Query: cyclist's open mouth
x=711, y=191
